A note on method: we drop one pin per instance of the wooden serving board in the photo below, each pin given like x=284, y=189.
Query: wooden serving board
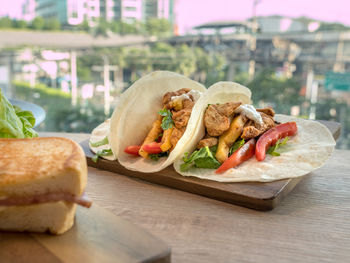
x=97, y=236
x=255, y=195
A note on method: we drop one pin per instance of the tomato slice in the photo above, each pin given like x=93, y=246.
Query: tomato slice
x=152, y=148
x=270, y=138
x=241, y=155
x=133, y=149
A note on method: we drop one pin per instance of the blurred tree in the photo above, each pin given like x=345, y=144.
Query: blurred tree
x=138, y=60
x=102, y=28
x=84, y=26
x=19, y=24
x=241, y=77
x=126, y=28
x=155, y=26
x=185, y=62
x=115, y=27
x=52, y=24
x=37, y=23
x=5, y=22
x=281, y=93
x=85, y=63
x=217, y=72
x=163, y=56
x=332, y=27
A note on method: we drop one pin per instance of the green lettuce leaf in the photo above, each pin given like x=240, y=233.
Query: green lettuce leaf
x=157, y=156
x=104, y=152
x=202, y=158
x=28, y=121
x=104, y=141
x=273, y=149
x=15, y=123
x=238, y=144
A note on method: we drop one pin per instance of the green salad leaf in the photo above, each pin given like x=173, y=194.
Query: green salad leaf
x=156, y=156
x=202, y=158
x=273, y=149
x=167, y=121
x=238, y=144
x=28, y=121
x=104, y=152
x=104, y=141
x=15, y=123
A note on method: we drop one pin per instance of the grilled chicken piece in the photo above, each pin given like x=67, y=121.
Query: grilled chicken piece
x=188, y=103
x=215, y=123
x=167, y=97
x=176, y=136
x=181, y=117
x=253, y=129
x=268, y=110
x=250, y=132
x=268, y=121
x=227, y=109
x=211, y=141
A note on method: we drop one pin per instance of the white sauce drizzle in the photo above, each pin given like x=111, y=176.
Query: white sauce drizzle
x=195, y=95
x=250, y=112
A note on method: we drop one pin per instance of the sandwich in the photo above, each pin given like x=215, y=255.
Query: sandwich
x=236, y=142
x=42, y=180
x=151, y=123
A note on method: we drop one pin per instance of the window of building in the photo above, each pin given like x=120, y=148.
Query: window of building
x=130, y=8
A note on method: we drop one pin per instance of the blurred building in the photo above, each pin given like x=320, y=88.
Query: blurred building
x=68, y=12
x=121, y=10
x=74, y=12
x=282, y=24
x=136, y=10
x=158, y=9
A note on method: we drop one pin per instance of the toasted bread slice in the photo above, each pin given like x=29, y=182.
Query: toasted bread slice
x=40, y=166
x=55, y=217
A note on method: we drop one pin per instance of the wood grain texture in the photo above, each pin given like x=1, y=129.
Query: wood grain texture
x=97, y=236
x=259, y=196
x=311, y=225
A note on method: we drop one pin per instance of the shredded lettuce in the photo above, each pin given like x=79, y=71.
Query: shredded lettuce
x=156, y=156
x=104, y=152
x=202, y=158
x=273, y=149
x=238, y=144
x=104, y=141
x=15, y=123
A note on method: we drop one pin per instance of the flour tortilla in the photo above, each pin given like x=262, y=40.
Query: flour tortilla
x=139, y=114
x=105, y=129
x=98, y=134
x=304, y=152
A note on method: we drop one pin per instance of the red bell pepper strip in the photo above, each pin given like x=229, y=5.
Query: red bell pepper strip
x=133, y=149
x=152, y=148
x=241, y=155
x=270, y=138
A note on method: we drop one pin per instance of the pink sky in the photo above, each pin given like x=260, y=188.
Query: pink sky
x=194, y=12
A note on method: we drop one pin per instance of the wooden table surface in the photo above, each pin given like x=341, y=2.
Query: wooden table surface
x=312, y=224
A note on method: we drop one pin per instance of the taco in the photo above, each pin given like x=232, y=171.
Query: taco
x=234, y=142
x=157, y=121
x=104, y=138
x=100, y=140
